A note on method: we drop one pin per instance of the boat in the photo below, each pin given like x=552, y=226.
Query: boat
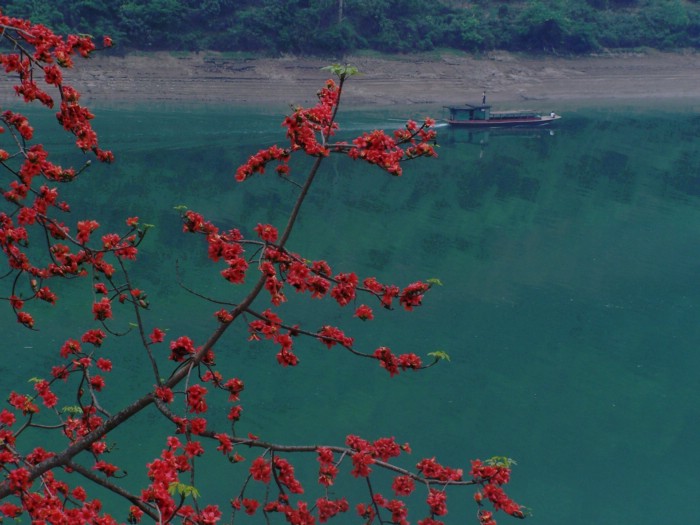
x=481, y=116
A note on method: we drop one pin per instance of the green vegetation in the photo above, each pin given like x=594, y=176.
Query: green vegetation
x=333, y=27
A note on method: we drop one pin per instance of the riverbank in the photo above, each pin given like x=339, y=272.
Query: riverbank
x=451, y=78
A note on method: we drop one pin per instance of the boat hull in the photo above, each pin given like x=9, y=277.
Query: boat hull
x=504, y=123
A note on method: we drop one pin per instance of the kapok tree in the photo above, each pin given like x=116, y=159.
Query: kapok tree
x=42, y=243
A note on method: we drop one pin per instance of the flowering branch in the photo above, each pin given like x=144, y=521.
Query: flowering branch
x=181, y=390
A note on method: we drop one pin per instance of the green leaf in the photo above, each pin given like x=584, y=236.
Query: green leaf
x=440, y=355
x=434, y=281
x=71, y=409
x=341, y=71
x=500, y=461
x=34, y=380
x=183, y=490
x=181, y=208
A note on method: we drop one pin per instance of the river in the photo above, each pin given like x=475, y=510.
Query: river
x=570, y=262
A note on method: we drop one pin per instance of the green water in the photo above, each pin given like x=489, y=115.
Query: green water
x=570, y=262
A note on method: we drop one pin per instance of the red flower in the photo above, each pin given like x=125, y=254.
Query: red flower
x=225, y=443
x=412, y=295
x=97, y=382
x=180, y=348
x=23, y=403
x=198, y=425
x=250, y=505
x=344, y=289
x=434, y=470
x=195, y=399
x=49, y=398
x=209, y=515
x=103, y=309
x=106, y=468
x=157, y=335
x=70, y=347
x=85, y=228
x=364, y=313
x=403, y=485
x=366, y=512
x=164, y=394
x=437, y=501
x=104, y=364
x=387, y=360
x=7, y=418
x=409, y=361
x=330, y=336
x=94, y=337
x=223, y=316
x=135, y=514
x=266, y=232
x=235, y=413
x=361, y=462
x=25, y=319
x=328, y=508
x=261, y=470
x=194, y=448
x=10, y=510
x=19, y=480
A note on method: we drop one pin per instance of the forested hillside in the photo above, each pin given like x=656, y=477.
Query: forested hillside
x=325, y=27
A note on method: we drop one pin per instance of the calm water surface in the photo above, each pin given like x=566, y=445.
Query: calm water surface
x=570, y=262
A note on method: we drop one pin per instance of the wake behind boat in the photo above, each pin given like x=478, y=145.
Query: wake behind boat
x=481, y=116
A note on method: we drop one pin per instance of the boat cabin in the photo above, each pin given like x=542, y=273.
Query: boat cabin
x=469, y=112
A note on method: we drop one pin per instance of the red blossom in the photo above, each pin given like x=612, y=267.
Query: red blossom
x=94, y=337
x=193, y=449
x=195, y=399
x=164, y=394
x=23, y=403
x=10, y=510
x=331, y=336
x=437, y=501
x=344, y=289
x=19, y=480
x=431, y=469
x=364, y=313
x=102, y=310
x=106, y=468
x=181, y=348
x=266, y=232
x=7, y=418
x=97, y=383
x=48, y=397
x=104, y=364
x=25, y=319
x=261, y=470
x=328, y=508
x=157, y=335
x=225, y=443
x=403, y=485
x=209, y=515
x=250, y=505
x=412, y=295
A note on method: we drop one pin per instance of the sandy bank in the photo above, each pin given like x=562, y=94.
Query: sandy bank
x=214, y=78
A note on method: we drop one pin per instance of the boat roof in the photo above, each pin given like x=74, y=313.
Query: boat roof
x=470, y=107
